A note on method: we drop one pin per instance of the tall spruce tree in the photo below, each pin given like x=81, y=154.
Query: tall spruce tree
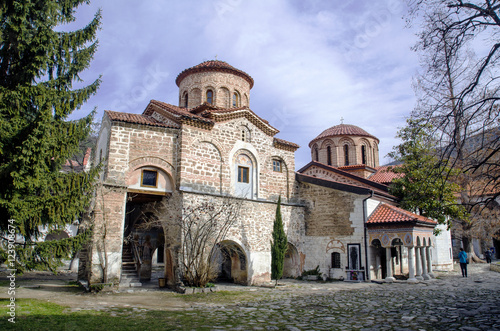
x=279, y=245
x=38, y=65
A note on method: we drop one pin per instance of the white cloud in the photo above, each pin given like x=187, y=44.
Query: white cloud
x=313, y=62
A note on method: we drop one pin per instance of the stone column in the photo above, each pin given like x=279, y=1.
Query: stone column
x=418, y=264
x=388, y=263
x=425, y=276
x=411, y=266
x=429, y=262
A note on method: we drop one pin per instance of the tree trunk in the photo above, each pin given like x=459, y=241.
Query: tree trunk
x=469, y=249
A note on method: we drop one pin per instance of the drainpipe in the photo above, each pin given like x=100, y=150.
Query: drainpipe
x=365, y=219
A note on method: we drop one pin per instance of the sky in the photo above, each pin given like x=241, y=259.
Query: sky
x=315, y=63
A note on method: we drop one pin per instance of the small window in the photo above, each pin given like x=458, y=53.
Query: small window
x=329, y=155
x=346, y=155
x=149, y=178
x=363, y=154
x=210, y=96
x=244, y=135
x=243, y=174
x=186, y=100
x=277, y=165
x=335, y=260
x=316, y=155
x=236, y=99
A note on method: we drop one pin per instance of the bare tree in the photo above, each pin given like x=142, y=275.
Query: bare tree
x=458, y=95
x=197, y=226
x=467, y=115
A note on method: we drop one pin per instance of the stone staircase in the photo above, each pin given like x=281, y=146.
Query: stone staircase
x=129, y=277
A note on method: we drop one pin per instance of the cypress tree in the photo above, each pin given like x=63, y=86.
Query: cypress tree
x=38, y=65
x=279, y=245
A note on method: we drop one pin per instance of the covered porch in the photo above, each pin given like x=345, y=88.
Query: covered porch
x=400, y=245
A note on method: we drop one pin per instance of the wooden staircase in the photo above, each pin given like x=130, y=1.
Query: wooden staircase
x=129, y=276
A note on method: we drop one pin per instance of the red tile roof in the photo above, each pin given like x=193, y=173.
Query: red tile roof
x=347, y=178
x=385, y=175
x=287, y=145
x=385, y=213
x=357, y=166
x=214, y=65
x=135, y=119
x=342, y=130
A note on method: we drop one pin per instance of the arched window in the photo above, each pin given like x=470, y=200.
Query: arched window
x=245, y=134
x=374, y=162
x=210, y=96
x=185, y=100
x=336, y=260
x=329, y=155
x=346, y=155
x=244, y=168
x=236, y=99
x=363, y=154
x=316, y=156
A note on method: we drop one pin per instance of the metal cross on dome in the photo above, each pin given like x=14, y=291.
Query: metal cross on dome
x=341, y=120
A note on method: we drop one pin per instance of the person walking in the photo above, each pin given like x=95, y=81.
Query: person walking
x=463, y=262
x=487, y=255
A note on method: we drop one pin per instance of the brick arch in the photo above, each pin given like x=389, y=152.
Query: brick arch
x=327, y=142
x=213, y=88
x=218, y=146
x=224, y=93
x=195, y=98
x=154, y=161
x=352, y=151
x=247, y=100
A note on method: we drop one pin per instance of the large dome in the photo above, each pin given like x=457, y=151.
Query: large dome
x=214, y=65
x=343, y=130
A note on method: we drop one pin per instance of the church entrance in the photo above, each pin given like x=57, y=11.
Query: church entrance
x=143, y=235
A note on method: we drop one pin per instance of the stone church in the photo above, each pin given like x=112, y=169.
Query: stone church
x=337, y=211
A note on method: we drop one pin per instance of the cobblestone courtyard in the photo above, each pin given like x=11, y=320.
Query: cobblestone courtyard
x=449, y=302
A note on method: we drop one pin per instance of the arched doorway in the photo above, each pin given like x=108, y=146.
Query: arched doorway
x=291, y=264
x=230, y=262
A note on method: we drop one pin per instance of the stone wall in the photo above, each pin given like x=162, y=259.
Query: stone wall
x=333, y=220
x=132, y=146
x=105, y=252
x=253, y=231
x=208, y=160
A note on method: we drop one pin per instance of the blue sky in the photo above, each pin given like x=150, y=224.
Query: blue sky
x=313, y=62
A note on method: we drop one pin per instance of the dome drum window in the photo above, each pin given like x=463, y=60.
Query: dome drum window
x=236, y=99
x=210, y=97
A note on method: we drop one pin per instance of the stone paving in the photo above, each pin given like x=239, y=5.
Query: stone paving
x=449, y=302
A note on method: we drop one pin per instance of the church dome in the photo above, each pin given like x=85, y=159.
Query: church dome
x=343, y=130
x=214, y=66
x=216, y=83
x=346, y=146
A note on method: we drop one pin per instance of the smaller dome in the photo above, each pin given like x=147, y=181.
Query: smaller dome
x=342, y=130
x=214, y=65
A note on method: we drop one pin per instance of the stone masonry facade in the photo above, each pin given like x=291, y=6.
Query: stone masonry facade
x=218, y=147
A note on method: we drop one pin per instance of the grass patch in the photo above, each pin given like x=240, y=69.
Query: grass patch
x=39, y=315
